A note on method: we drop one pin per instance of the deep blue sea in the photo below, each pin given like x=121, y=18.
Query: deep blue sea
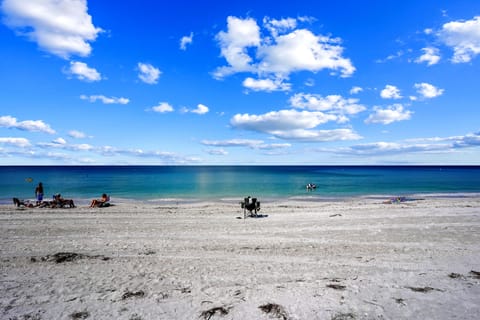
x=235, y=182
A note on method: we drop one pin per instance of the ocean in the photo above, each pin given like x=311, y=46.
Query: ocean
x=192, y=183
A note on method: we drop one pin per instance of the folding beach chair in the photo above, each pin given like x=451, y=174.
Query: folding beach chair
x=250, y=204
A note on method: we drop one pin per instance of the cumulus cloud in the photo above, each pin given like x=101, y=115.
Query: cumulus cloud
x=286, y=50
x=430, y=55
x=390, y=92
x=162, y=107
x=148, y=73
x=281, y=26
x=356, y=90
x=283, y=120
x=463, y=37
x=83, y=72
x=302, y=50
x=186, y=40
x=104, y=99
x=27, y=125
x=267, y=85
x=61, y=27
x=293, y=125
x=201, y=109
x=16, y=142
x=60, y=141
x=427, y=90
x=388, y=115
x=333, y=104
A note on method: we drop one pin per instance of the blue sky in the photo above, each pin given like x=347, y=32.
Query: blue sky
x=250, y=82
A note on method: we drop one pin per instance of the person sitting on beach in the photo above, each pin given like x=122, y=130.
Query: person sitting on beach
x=100, y=202
x=59, y=202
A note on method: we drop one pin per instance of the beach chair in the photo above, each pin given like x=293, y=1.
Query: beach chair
x=59, y=202
x=104, y=204
x=251, y=205
x=18, y=202
x=22, y=203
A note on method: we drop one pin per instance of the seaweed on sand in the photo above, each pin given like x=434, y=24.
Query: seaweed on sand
x=129, y=294
x=207, y=314
x=275, y=310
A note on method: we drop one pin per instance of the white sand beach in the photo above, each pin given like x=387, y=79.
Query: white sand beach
x=351, y=259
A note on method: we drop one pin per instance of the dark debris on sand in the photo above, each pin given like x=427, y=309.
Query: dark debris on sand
x=61, y=257
x=344, y=316
x=423, y=289
x=336, y=286
x=80, y=315
x=274, y=310
x=207, y=314
x=130, y=294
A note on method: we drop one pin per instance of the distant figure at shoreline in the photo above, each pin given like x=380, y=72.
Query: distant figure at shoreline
x=39, y=193
x=102, y=202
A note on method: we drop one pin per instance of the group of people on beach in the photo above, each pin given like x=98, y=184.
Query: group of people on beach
x=58, y=201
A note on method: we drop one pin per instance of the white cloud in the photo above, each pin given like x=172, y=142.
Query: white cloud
x=83, y=72
x=334, y=104
x=428, y=31
x=241, y=34
x=302, y=50
x=60, y=141
x=283, y=120
x=163, y=107
x=281, y=26
x=148, y=73
x=266, y=84
x=318, y=135
x=427, y=90
x=293, y=125
x=77, y=134
x=286, y=50
x=463, y=37
x=61, y=27
x=16, y=142
x=217, y=152
x=233, y=143
x=310, y=82
x=201, y=109
x=394, y=56
x=421, y=145
x=388, y=115
x=430, y=56
x=185, y=41
x=104, y=99
x=390, y=92
x=27, y=125
x=356, y=90
x=247, y=143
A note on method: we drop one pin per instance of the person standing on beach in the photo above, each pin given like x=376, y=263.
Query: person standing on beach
x=39, y=193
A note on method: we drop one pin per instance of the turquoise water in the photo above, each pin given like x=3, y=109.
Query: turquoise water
x=225, y=182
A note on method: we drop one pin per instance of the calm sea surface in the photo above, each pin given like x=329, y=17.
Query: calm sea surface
x=235, y=182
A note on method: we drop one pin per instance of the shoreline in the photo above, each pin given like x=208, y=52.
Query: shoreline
x=301, y=198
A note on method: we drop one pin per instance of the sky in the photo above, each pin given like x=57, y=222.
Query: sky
x=239, y=82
